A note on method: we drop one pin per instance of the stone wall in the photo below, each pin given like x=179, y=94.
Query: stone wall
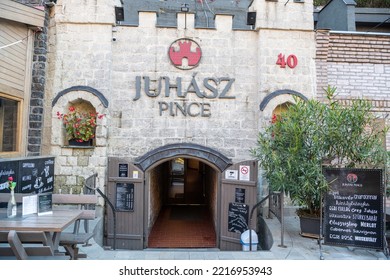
x=284, y=15
x=248, y=57
x=79, y=55
x=36, y=114
x=130, y=67
x=156, y=199
x=231, y=126
x=74, y=164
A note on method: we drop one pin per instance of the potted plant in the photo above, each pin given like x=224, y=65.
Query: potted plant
x=11, y=207
x=293, y=149
x=79, y=126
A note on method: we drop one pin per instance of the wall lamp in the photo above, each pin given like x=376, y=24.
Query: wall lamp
x=50, y=3
x=184, y=8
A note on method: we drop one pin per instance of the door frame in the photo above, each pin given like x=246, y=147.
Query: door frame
x=226, y=188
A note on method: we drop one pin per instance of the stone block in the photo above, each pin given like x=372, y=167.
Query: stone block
x=82, y=161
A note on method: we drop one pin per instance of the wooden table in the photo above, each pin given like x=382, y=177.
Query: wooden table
x=49, y=225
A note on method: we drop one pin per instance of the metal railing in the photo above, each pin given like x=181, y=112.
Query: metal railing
x=90, y=187
x=275, y=200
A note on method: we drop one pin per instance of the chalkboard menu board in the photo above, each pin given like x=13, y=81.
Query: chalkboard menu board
x=123, y=170
x=353, y=212
x=8, y=168
x=45, y=203
x=124, y=197
x=37, y=175
x=238, y=217
x=31, y=174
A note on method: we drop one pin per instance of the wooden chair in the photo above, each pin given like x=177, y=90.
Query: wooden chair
x=5, y=249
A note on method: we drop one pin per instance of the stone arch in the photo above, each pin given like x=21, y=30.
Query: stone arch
x=91, y=90
x=208, y=155
x=76, y=165
x=277, y=93
x=81, y=97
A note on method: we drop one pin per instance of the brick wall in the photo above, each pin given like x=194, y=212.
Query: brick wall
x=359, y=48
x=358, y=65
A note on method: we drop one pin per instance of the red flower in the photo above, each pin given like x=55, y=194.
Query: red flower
x=79, y=125
x=10, y=178
x=274, y=118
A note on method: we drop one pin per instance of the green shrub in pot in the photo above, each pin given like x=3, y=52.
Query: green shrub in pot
x=296, y=145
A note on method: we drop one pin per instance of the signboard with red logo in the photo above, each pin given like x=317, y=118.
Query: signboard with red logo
x=354, y=208
x=185, y=53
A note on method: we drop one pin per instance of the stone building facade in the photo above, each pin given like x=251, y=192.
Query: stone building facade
x=89, y=52
x=177, y=86
x=161, y=107
x=194, y=86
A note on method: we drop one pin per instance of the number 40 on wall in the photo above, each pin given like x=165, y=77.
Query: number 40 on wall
x=291, y=61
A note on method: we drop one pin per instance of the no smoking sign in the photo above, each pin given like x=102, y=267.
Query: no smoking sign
x=244, y=172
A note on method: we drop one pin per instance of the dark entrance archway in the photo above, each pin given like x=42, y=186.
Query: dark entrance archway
x=211, y=183
x=183, y=194
x=182, y=190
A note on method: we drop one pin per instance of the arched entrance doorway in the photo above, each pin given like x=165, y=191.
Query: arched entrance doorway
x=183, y=192
x=182, y=188
x=187, y=184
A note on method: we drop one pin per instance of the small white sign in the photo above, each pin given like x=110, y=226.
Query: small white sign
x=231, y=174
x=245, y=172
x=135, y=174
x=30, y=205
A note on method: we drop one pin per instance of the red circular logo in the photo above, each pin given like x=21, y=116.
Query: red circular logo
x=352, y=178
x=185, y=54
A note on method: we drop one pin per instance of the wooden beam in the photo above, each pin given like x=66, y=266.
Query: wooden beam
x=18, y=12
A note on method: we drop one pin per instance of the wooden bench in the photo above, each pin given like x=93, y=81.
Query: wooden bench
x=25, y=245
x=71, y=240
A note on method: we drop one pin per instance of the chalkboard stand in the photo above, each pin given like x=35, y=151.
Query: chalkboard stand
x=238, y=217
x=354, y=207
